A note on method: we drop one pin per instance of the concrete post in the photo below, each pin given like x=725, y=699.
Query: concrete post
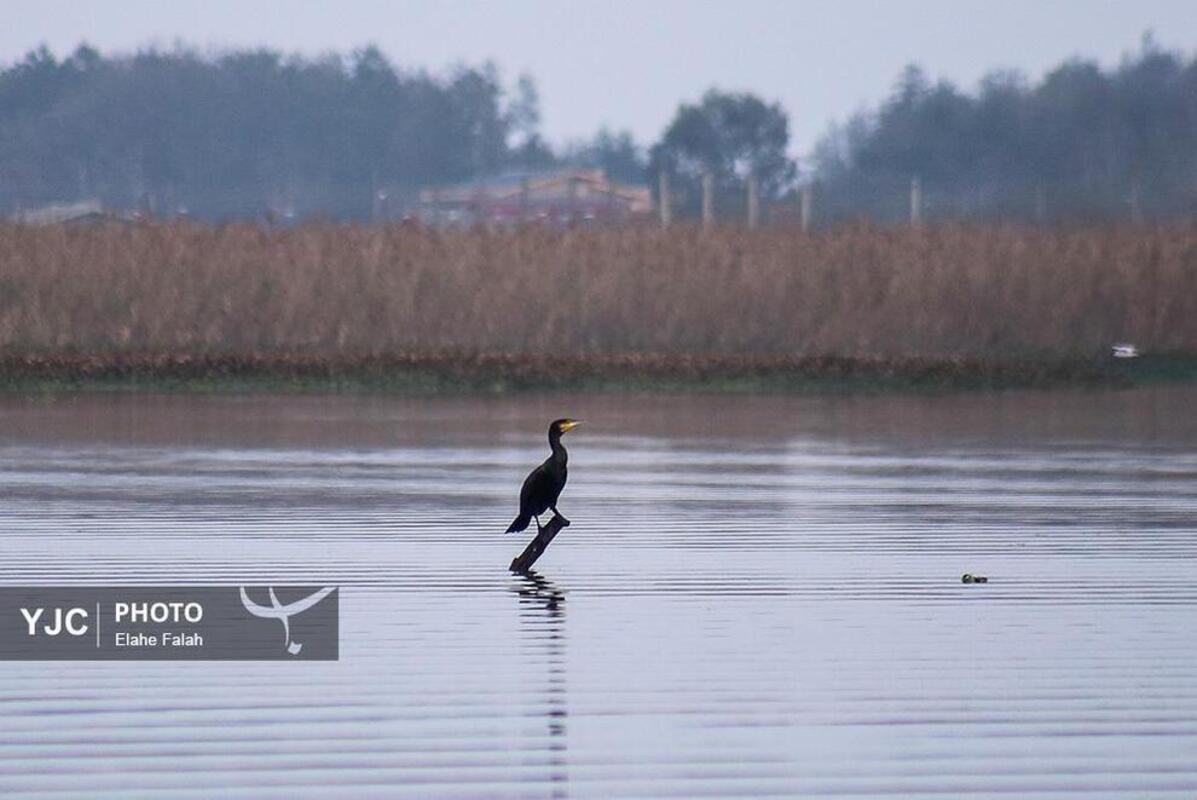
x=663, y=200
x=708, y=199
x=753, y=202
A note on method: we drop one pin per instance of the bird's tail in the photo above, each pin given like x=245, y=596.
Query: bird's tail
x=519, y=523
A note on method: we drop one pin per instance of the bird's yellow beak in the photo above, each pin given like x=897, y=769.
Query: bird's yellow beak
x=566, y=427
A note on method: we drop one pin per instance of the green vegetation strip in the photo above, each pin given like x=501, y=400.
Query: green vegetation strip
x=503, y=373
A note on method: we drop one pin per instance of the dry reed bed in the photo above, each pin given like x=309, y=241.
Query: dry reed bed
x=329, y=292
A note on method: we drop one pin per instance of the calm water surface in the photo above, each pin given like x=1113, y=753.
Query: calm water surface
x=758, y=596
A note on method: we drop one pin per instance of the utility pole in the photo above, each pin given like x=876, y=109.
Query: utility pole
x=663, y=200
x=573, y=198
x=753, y=202
x=708, y=199
x=1136, y=202
x=916, y=201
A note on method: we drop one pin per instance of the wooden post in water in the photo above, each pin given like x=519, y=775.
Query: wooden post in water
x=753, y=202
x=708, y=199
x=524, y=561
x=807, y=197
x=916, y=201
x=663, y=198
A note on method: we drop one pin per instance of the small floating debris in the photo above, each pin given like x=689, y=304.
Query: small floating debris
x=1124, y=350
x=968, y=577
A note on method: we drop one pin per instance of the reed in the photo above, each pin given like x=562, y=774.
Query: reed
x=333, y=291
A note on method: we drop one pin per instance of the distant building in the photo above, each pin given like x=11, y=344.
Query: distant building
x=83, y=212
x=557, y=198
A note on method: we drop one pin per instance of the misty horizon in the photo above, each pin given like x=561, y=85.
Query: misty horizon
x=510, y=80
x=823, y=62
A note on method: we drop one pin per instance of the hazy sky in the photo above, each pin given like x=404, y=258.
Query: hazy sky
x=627, y=64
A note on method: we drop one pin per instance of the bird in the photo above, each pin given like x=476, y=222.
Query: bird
x=543, y=485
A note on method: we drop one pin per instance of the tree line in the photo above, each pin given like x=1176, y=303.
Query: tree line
x=253, y=132
x=1081, y=144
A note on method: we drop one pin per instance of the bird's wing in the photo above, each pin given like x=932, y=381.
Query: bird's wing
x=534, y=484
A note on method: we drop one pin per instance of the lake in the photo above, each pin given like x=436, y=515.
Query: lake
x=760, y=596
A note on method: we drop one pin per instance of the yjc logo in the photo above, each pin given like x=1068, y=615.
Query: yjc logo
x=169, y=623
x=68, y=620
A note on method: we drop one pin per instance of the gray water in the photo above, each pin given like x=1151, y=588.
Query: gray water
x=758, y=596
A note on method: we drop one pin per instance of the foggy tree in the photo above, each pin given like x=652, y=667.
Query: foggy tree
x=617, y=154
x=1084, y=143
x=244, y=132
x=523, y=114
x=730, y=136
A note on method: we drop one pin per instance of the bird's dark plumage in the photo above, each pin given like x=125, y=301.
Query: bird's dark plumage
x=543, y=485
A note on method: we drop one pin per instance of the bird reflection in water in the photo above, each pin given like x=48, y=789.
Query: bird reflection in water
x=542, y=623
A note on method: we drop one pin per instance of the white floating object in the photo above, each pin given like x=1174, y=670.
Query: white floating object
x=1124, y=350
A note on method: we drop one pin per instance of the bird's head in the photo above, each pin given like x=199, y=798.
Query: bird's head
x=561, y=426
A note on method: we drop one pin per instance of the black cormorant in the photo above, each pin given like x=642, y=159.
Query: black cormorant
x=543, y=485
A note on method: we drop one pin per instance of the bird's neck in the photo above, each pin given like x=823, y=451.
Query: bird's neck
x=558, y=449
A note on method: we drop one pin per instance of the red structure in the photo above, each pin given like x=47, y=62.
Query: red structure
x=557, y=198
